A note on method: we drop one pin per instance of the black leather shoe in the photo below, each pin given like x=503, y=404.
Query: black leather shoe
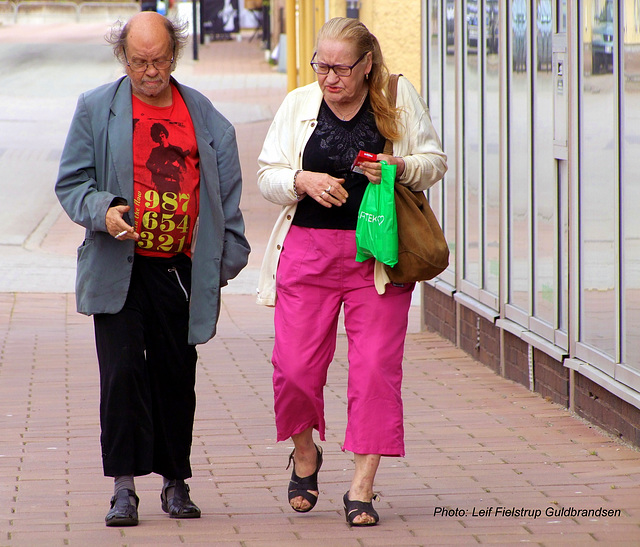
x=180, y=505
x=123, y=512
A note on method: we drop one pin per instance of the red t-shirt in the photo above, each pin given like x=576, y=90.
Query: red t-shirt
x=166, y=177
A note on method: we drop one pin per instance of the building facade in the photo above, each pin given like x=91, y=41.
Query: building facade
x=296, y=22
x=537, y=103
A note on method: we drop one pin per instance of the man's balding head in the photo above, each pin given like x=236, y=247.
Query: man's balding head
x=149, y=24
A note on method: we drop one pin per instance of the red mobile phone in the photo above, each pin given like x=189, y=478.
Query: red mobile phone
x=361, y=157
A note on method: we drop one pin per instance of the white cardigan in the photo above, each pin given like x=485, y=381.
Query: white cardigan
x=281, y=157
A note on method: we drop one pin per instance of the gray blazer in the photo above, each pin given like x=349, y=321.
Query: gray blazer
x=96, y=170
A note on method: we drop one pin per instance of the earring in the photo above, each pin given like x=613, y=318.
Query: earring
x=366, y=76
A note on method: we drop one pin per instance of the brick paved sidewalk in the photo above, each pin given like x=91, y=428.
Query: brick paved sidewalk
x=475, y=442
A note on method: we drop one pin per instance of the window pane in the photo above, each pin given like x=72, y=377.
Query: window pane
x=492, y=148
x=561, y=24
x=471, y=134
x=519, y=159
x=544, y=184
x=434, y=66
x=563, y=266
x=631, y=189
x=449, y=134
x=598, y=180
x=434, y=96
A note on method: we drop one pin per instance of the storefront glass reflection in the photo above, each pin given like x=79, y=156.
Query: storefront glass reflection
x=491, y=117
x=437, y=195
x=602, y=37
x=472, y=185
x=519, y=22
x=543, y=34
x=631, y=187
x=598, y=183
x=545, y=176
x=520, y=167
x=449, y=133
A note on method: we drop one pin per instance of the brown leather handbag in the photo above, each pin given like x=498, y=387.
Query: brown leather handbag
x=423, y=252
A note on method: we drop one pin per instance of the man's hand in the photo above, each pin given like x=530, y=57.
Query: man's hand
x=116, y=225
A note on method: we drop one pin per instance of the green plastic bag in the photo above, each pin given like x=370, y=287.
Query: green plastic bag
x=377, y=227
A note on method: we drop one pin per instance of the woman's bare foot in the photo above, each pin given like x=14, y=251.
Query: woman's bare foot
x=362, y=484
x=360, y=512
x=362, y=518
x=304, y=465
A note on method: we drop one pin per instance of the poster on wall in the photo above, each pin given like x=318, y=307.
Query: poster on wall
x=219, y=19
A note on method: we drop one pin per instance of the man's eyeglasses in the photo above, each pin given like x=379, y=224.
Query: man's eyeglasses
x=338, y=70
x=142, y=66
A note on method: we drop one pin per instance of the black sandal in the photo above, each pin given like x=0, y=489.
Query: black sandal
x=122, y=511
x=300, y=486
x=353, y=508
x=180, y=505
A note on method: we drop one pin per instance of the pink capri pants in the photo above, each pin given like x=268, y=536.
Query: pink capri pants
x=317, y=274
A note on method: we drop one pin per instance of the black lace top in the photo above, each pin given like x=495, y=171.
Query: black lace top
x=331, y=149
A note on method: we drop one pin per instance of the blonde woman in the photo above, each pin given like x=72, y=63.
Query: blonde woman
x=310, y=272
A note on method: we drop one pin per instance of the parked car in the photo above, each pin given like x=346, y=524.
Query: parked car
x=602, y=41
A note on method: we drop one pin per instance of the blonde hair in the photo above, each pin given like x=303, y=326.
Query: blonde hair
x=353, y=31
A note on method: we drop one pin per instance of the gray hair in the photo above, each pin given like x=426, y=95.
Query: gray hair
x=177, y=31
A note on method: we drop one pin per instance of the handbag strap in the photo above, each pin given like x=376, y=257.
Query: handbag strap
x=393, y=93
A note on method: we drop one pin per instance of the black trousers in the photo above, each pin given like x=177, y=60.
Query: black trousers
x=148, y=373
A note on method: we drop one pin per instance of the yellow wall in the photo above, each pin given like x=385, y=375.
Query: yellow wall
x=396, y=24
x=631, y=34
x=337, y=8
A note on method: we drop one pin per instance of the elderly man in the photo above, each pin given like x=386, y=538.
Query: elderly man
x=152, y=294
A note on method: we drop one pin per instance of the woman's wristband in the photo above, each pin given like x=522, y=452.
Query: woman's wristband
x=295, y=188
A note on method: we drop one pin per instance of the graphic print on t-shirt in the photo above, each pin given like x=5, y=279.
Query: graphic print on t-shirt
x=166, y=161
x=166, y=177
